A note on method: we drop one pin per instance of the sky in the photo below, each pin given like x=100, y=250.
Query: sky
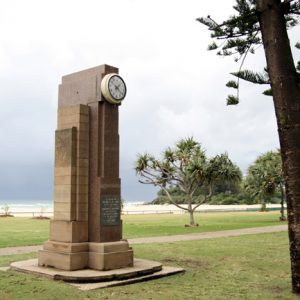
x=176, y=88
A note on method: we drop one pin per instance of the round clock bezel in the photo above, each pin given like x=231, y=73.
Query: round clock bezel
x=105, y=89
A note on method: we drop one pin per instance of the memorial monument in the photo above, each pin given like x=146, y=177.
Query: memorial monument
x=85, y=244
x=86, y=231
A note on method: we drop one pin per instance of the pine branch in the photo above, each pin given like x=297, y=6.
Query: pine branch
x=251, y=76
x=212, y=46
x=232, y=100
x=232, y=84
x=268, y=92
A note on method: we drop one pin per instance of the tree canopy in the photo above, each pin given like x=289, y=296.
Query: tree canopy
x=240, y=35
x=265, y=177
x=187, y=168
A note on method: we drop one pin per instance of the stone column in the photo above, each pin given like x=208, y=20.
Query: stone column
x=68, y=245
x=92, y=174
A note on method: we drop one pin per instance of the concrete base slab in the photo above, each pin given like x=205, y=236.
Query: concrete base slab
x=93, y=279
x=165, y=271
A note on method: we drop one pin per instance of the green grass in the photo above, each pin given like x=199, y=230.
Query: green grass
x=23, y=231
x=6, y=260
x=168, y=224
x=26, y=231
x=246, y=267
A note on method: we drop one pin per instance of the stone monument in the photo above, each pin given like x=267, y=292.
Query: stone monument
x=86, y=231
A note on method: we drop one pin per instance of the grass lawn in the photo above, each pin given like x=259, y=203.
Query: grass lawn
x=168, y=224
x=26, y=231
x=22, y=231
x=246, y=267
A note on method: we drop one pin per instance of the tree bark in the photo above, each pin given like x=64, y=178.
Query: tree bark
x=286, y=95
x=190, y=208
x=192, y=220
x=263, y=207
x=282, y=216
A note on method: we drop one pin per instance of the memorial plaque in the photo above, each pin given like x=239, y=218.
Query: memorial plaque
x=110, y=210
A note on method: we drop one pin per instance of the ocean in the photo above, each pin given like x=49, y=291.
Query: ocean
x=45, y=206
x=27, y=205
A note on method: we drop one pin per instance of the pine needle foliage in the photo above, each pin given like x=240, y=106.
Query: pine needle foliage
x=240, y=35
x=253, y=77
x=232, y=84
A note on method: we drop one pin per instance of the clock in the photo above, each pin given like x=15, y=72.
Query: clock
x=113, y=88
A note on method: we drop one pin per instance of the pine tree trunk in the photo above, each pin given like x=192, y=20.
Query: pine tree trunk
x=286, y=95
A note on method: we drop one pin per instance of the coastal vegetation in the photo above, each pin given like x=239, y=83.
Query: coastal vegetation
x=265, y=178
x=187, y=169
x=263, y=183
x=6, y=210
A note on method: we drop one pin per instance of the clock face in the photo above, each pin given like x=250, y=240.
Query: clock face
x=117, y=87
x=113, y=88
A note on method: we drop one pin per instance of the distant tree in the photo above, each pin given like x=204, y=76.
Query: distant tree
x=265, y=178
x=228, y=188
x=6, y=210
x=265, y=22
x=186, y=167
x=221, y=190
x=177, y=195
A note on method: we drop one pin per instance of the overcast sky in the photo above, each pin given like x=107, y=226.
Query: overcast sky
x=176, y=88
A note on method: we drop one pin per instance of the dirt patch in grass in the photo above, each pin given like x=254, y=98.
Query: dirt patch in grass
x=274, y=289
x=189, y=225
x=41, y=218
x=189, y=262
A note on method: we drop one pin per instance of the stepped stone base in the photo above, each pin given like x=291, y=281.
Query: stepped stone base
x=109, y=256
x=88, y=279
x=76, y=256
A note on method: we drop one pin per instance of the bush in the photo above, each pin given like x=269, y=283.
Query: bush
x=225, y=199
x=219, y=199
x=6, y=210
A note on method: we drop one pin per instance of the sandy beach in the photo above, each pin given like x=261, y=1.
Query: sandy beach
x=133, y=208
x=170, y=208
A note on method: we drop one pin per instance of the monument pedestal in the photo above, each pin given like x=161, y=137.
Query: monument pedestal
x=68, y=231
x=110, y=256
x=76, y=256
x=65, y=256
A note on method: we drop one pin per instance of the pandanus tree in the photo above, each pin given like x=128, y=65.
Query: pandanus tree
x=186, y=167
x=265, y=177
x=265, y=22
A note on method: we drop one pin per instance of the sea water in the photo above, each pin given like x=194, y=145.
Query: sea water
x=26, y=206
x=45, y=206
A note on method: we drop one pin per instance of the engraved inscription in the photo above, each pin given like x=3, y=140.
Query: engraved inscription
x=110, y=210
